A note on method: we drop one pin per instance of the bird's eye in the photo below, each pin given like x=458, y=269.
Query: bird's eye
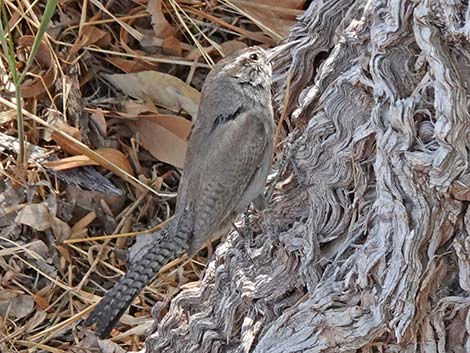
x=254, y=57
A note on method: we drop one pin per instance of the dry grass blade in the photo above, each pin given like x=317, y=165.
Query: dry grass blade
x=133, y=32
x=277, y=36
x=162, y=60
x=34, y=346
x=251, y=35
x=283, y=10
x=17, y=248
x=55, y=329
x=115, y=236
x=91, y=154
x=177, y=10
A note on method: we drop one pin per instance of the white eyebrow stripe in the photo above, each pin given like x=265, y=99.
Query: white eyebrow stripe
x=231, y=65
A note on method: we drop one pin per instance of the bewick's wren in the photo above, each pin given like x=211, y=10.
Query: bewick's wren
x=227, y=162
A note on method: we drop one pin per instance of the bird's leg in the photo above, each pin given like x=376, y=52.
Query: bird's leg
x=246, y=238
x=292, y=146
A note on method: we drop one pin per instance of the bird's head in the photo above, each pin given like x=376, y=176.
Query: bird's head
x=248, y=66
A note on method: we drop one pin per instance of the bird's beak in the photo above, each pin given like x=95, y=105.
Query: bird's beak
x=270, y=54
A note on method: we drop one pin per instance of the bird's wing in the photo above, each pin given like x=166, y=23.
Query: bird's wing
x=234, y=150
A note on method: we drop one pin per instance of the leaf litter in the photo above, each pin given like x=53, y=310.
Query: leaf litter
x=108, y=105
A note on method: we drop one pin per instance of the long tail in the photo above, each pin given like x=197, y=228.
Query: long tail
x=113, y=305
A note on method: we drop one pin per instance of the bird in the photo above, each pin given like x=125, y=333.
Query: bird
x=229, y=155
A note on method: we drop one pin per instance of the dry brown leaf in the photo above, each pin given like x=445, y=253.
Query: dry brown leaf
x=41, y=297
x=275, y=16
x=69, y=163
x=60, y=229
x=172, y=46
x=90, y=35
x=6, y=279
x=117, y=157
x=83, y=223
x=173, y=123
x=39, y=85
x=129, y=66
x=111, y=154
x=163, y=34
x=64, y=251
x=38, y=247
x=89, y=200
x=134, y=108
x=161, y=26
x=64, y=143
x=164, y=136
x=41, y=301
x=165, y=90
x=39, y=217
x=8, y=294
x=36, y=216
x=98, y=118
x=37, y=319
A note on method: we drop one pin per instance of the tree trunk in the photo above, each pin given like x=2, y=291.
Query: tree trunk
x=365, y=246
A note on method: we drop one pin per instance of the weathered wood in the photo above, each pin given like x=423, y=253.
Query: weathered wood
x=367, y=247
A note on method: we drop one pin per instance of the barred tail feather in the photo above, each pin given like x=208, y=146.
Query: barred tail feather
x=113, y=305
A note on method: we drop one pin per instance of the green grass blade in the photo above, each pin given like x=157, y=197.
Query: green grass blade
x=9, y=51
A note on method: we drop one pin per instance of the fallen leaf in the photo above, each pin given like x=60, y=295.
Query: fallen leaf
x=41, y=301
x=36, y=216
x=8, y=277
x=129, y=66
x=172, y=46
x=173, y=123
x=98, y=118
x=60, y=229
x=161, y=27
x=111, y=154
x=22, y=305
x=64, y=251
x=38, y=86
x=64, y=143
x=8, y=294
x=107, y=346
x=16, y=305
x=274, y=17
x=134, y=108
x=37, y=319
x=39, y=217
x=90, y=35
x=69, y=163
x=39, y=255
x=117, y=157
x=165, y=90
x=83, y=223
x=164, y=136
x=86, y=201
x=40, y=248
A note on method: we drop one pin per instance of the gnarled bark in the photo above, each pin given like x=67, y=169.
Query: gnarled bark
x=366, y=246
